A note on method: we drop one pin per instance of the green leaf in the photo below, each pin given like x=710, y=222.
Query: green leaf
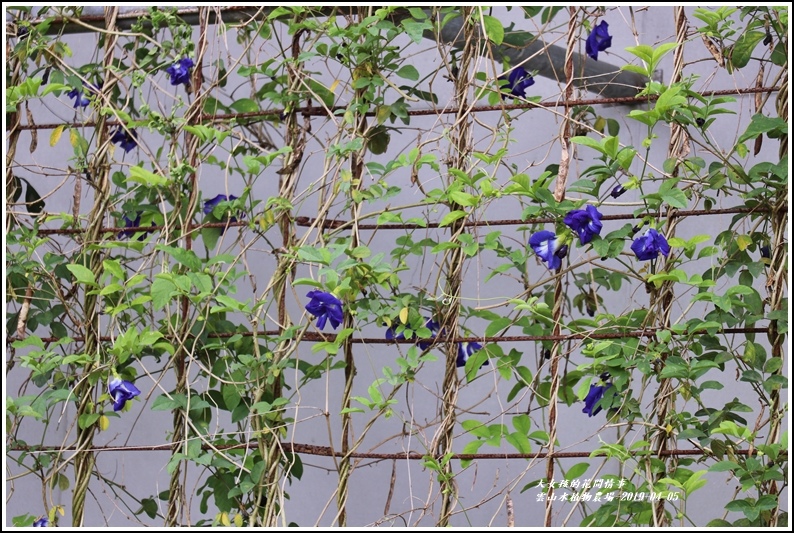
x=463, y=198
x=87, y=420
x=82, y=274
x=408, y=72
x=497, y=325
x=415, y=29
x=675, y=197
x=244, y=105
x=723, y=466
x=762, y=124
x=211, y=236
x=144, y=177
x=743, y=48
x=322, y=92
x=576, y=471
x=162, y=292
x=164, y=403
x=494, y=29
x=449, y=218
x=186, y=257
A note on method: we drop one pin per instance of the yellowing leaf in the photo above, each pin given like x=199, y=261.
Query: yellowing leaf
x=743, y=241
x=225, y=519
x=238, y=520
x=73, y=137
x=404, y=315
x=334, y=85
x=55, y=136
x=104, y=423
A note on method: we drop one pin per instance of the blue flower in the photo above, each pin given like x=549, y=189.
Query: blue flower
x=210, y=204
x=648, y=246
x=599, y=40
x=128, y=223
x=549, y=248
x=80, y=97
x=126, y=139
x=41, y=522
x=591, y=401
x=179, y=72
x=618, y=191
x=466, y=350
x=325, y=306
x=121, y=391
x=424, y=344
x=586, y=222
x=518, y=81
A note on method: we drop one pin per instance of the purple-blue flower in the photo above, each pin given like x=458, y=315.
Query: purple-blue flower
x=424, y=344
x=80, y=97
x=129, y=223
x=618, y=191
x=591, y=401
x=179, y=72
x=325, y=306
x=121, y=391
x=549, y=248
x=586, y=222
x=599, y=40
x=210, y=204
x=466, y=350
x=518, y=81
x=648, y=245
x=41, y=522
x=126, y=139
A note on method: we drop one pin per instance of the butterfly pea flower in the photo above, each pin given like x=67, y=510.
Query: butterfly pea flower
x=41, y=522
x=618, y=191
x=424, y=344
x=81, y=95
x=598, y=40
x=648, y=245
x=210, y=204
x=549, y=248
x=121, y=391
x=518, y=81
x=325, y=306
x=129, y=223
x=466, y=350
x=179, y=72
x=593, y=398
x=586, y=222
x=126, y=139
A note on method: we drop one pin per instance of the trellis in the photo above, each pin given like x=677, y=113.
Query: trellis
x=264, y=503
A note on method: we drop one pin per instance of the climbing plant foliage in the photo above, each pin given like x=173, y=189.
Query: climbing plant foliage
x=272, y=266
